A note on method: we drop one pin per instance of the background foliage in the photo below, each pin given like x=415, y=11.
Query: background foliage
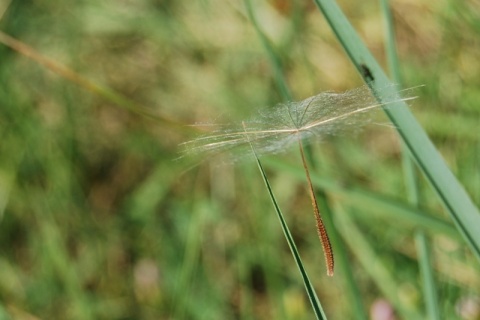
x=98, y=220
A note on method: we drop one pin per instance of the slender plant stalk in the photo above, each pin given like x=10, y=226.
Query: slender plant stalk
x=322, y=231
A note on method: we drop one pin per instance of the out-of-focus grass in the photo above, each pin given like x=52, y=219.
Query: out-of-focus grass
x=99, y=222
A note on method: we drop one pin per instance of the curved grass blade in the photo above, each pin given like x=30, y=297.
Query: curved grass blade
x=312, y=296
x=453, y=196
x=72, y=76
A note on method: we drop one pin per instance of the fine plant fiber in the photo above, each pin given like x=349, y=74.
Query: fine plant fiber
x=452, y=194
x=276, y=129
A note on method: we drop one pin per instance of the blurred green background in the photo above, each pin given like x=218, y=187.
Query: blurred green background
x=100, y=221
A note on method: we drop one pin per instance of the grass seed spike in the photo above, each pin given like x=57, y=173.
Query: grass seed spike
x=276, y=129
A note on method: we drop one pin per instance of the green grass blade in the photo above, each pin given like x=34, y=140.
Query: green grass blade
x=429, y=286
x=272, y=55
x=372, y=264
x=317, y=307
x=454, y=197
x=390, y=45
x=411, y=179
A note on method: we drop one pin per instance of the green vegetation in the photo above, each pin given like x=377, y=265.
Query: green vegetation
x=99, y=219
